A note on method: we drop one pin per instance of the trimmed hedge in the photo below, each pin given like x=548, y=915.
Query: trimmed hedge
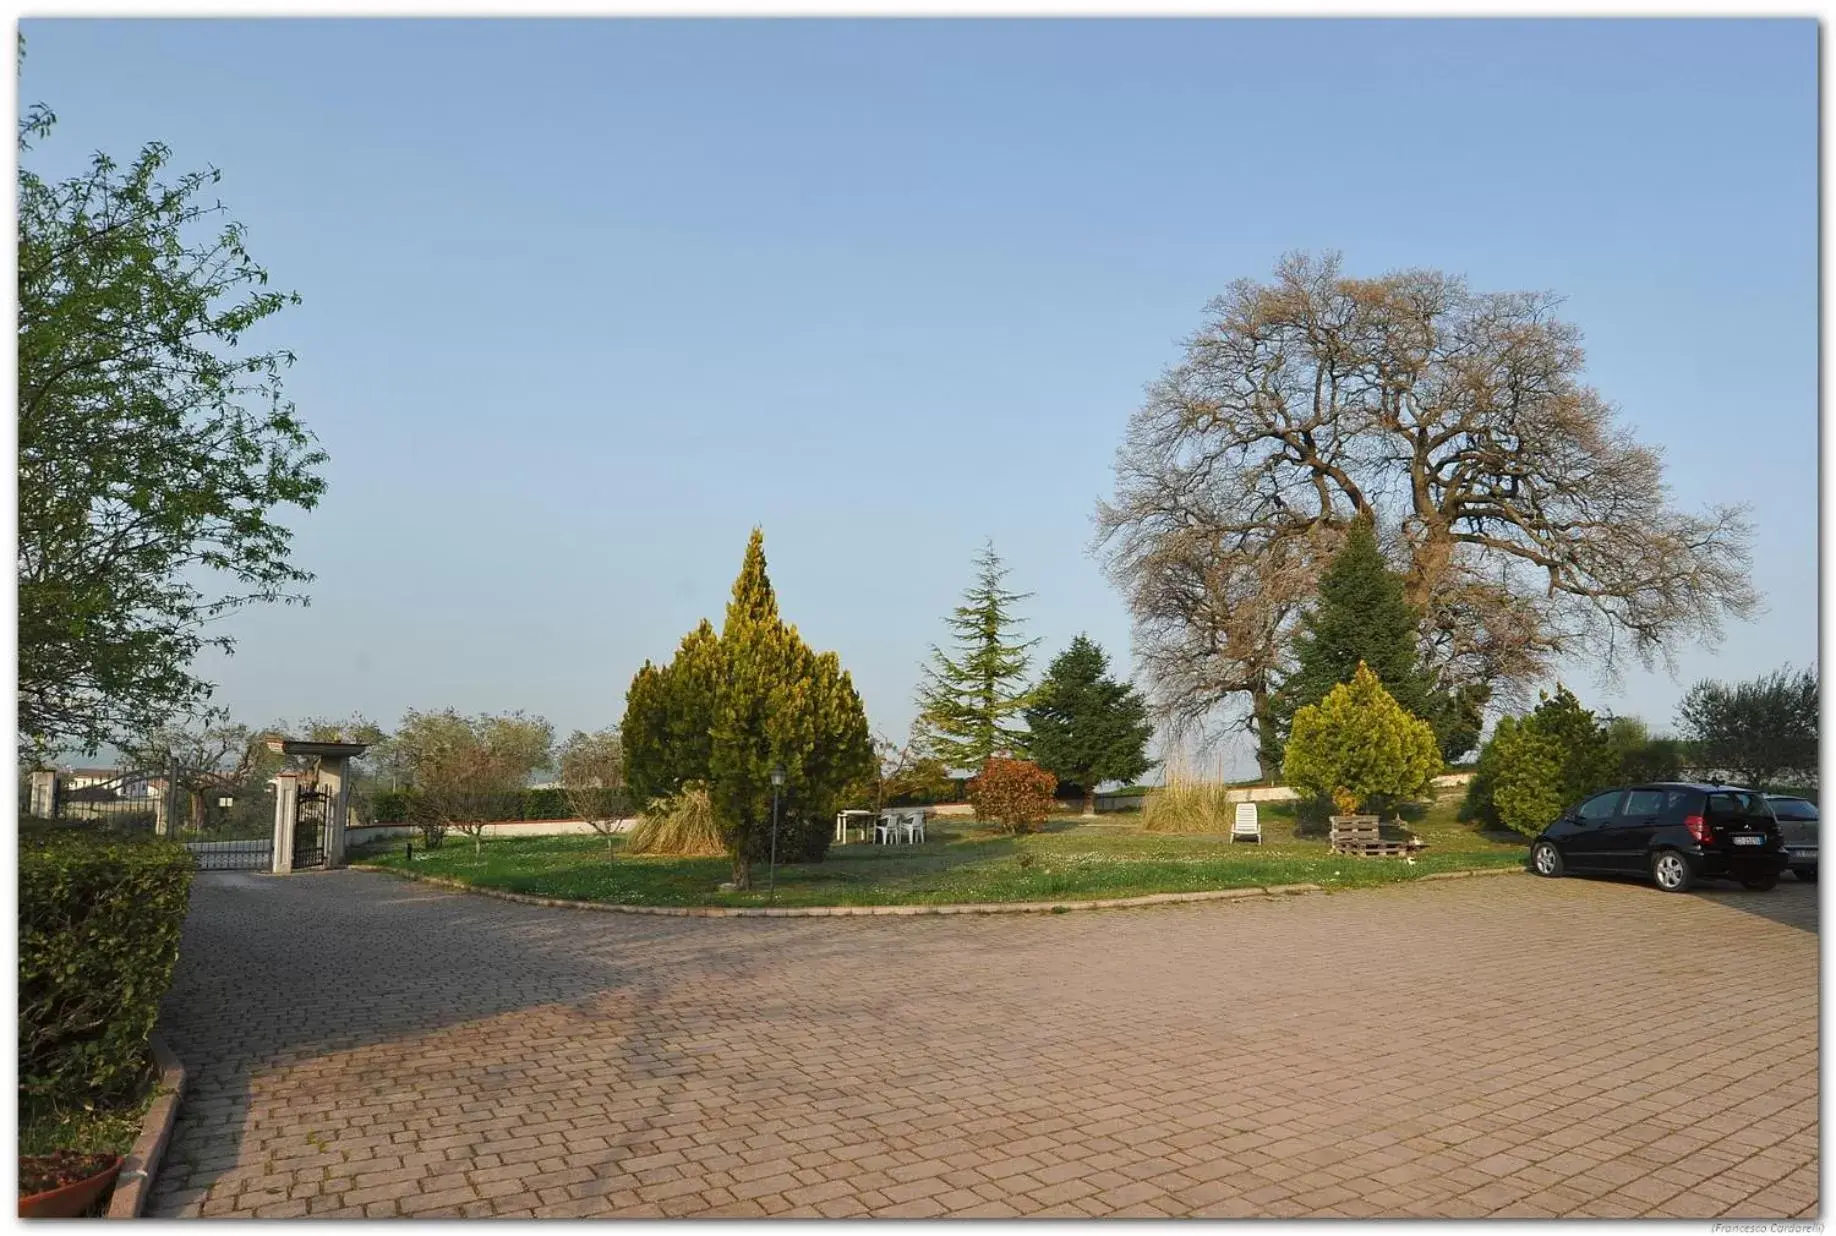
x=99, y=923
x=397, y=806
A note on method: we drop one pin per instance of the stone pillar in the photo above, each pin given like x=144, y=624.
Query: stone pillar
x=286, y=806
x=162, y=807
x=44, y=793
x=335, y=784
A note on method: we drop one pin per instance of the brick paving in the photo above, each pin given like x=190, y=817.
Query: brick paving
x=1505, y=1046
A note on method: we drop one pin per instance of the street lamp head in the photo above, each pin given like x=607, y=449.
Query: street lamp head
x=777, y=775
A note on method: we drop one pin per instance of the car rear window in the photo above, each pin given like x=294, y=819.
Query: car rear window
x=1738, y=807
x=1794, y=809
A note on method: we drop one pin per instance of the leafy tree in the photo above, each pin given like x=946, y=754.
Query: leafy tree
x=208, y=754
x=779, y=704
x=1531, y=525
x=967, y=702
x=1756, y=730
x=1016, y=794
x=1363, y=617
x=1558, y=755
x=1085, y=726
x=466, y=771
x=463, y=778
x=592, y=773
x=669, y=714
x=1359, y=747
x=1638, y=756
x=155, y=447
x=903, y=773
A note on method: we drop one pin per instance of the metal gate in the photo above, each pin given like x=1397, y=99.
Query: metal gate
x=309, y=828
x=134, y=801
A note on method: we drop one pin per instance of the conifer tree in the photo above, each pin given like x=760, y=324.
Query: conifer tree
x=778, y=703
x=669, y=711
x=1362, y=616
x=1087, y=728
x=968, y=702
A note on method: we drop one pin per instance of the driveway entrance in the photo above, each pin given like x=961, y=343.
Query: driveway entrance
x=1504, y=1046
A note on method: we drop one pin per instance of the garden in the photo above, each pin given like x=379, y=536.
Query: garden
x=1070, y=858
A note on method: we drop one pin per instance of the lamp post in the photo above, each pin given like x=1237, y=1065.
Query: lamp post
x=777, y=785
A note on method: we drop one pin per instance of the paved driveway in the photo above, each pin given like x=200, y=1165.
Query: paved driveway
x=1493, y=1046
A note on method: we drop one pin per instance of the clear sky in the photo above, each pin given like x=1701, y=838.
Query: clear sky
x=585, y=300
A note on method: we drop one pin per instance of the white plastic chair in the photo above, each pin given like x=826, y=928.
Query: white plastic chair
x=886, y=829
x=1247, y=825
x=913, y=827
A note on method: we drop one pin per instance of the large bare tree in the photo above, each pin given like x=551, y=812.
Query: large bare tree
x=1528, y=523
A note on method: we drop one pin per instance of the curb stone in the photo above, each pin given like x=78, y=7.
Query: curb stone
x=984, y=907
x=141, y=1163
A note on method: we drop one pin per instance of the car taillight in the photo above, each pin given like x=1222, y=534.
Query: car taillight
x=1698, y=828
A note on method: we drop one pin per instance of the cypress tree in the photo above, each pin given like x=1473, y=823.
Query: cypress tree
x=778, y=703
x=967, y=702
x=669, y=711
x=1086, y=727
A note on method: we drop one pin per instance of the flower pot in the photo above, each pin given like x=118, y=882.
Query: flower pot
x=72, y=1198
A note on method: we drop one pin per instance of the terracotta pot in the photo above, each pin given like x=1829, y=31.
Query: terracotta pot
x=69, y=1201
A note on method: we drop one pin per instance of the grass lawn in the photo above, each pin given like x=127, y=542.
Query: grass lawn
x=963, y=861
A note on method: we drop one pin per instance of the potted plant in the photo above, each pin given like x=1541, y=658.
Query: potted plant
x=63, y=1184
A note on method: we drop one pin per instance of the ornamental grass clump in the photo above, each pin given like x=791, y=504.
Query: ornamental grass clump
x=1191, y=801
x=681, y=825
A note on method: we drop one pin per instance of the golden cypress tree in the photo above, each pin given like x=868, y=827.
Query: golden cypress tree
x=777, y=702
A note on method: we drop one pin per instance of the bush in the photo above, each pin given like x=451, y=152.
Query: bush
x=99, y=924
x=1016, y=794
x=1526, y=779
x=1536, y=765
x=1358, y=747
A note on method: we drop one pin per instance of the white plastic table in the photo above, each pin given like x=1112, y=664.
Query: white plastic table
x=844, y=820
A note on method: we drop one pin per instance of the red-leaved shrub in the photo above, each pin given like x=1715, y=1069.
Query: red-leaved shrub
x=1016, y=794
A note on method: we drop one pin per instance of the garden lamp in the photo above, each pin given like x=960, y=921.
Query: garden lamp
x=777, y=785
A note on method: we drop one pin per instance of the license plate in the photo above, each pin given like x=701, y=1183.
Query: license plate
x=1749, y=840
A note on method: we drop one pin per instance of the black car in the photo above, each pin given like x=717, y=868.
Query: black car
x=1675, y=832
x=1797, y=819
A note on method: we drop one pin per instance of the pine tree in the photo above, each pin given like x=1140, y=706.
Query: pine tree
x=778, y=703
x=1361, y=616
x=1087, y=728
x=967, y=702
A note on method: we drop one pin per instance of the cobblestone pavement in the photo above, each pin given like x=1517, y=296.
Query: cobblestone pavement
x=360, y=1046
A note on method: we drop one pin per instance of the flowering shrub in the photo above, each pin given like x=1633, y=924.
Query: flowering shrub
x=1016, y=794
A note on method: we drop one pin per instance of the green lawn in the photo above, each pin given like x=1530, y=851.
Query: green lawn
x=962, y=862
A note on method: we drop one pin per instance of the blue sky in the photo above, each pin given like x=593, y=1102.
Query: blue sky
x=585, y=300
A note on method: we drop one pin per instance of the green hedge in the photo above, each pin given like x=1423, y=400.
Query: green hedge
x=397, y=806
x=99, y=923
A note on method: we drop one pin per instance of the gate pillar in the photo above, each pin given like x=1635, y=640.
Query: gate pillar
x=335, y=784
x=44, y=794
x=286, y=806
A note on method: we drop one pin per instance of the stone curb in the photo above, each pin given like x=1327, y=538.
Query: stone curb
x=141, y=1164
x=985, y=907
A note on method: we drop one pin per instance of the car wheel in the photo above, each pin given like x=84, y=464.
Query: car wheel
x=1760, y=884
x=1546, y=860
x=1670, y=872
x=1807, y=874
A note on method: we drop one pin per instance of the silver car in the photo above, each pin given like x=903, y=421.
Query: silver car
x=1797, y=819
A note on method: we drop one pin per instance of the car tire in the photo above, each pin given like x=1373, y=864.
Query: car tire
x=1806, y=874
x=1670, y=871
x=1761, y=884
x=1546, y=860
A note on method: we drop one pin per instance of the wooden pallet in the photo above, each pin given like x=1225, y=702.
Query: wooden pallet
x=1362, y=837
